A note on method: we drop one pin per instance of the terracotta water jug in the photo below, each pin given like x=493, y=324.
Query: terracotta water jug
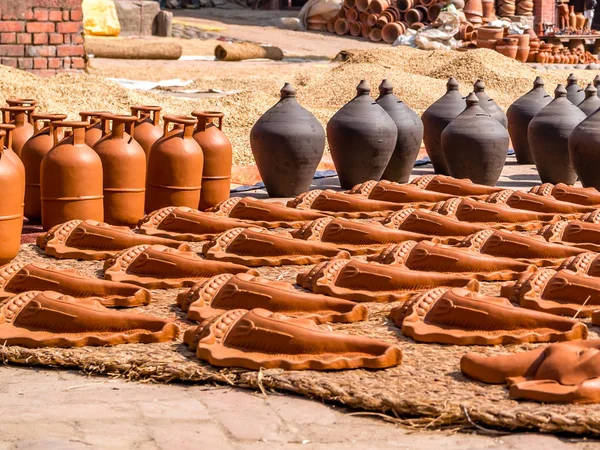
x=32, y=154
x=218, y=158
x=147, y=128
x=475, y=145
x=572, y=18
x=574, y=92
x=410, y=134
x=9, y=128
x=436, y=118
x=11, y=211
x=94, y=131
x=591, y=102
x=71, y=178
x=175, y=166
x=21, y=102
x=520, y=113
x=548, y=136
x=20, y=116
x=489, y=105
x=124, y=172
x=362, y=138
x=584, y=149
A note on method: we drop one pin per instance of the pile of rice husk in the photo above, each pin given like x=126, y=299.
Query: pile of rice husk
x=419, y=78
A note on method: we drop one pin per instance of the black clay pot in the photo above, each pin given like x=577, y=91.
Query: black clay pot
x=575, y=93
x=597, y=84
x=410, y=134
x=362, y=138
x=584, y=149
x=591, y=102
x=548, y=136
x=475, y=145
x=436, y=118
x=519, y=115
x=287, y=143
x=489, y=105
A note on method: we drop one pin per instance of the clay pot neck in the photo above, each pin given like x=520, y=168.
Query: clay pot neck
x=560, y=92
x=590, y=91
x=78, y=131
x=572, y=78
x=287, y=91
x=452, y=85
x=386, y=88
x=45, y=119
x=538, y=82
x=363, y=88
x=479, y=86
x=187, y=123
x=7, y=128
x=150, y=114
x=121, y=125
x=19, y=115
x=207, y=118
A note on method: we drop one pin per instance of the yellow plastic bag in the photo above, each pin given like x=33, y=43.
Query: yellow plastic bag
x=100, y=18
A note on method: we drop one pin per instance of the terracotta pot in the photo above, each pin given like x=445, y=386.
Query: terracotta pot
x=489, y=33
x=405, y=5
x=362, y=5
x=507, y=47
x=330, y=29
x=21, y=102
x=487, y=9
x=434, y=11
x=463, y=30
x=9, y=153
x=364, y=17
x=393, y=9
x=475, y=145
x=427, y=3
x=341, y=27
x=591, y=103
x=218, y=158
x=579, y=21
x=520, y=113
x=147, y=129
x=71, y=178
x=124, y=172
x=584, y=145
x=94, y=130
x=522, y=54
x=352, y=15
x=12, y=186
x=410, y=134
x=175, y=166
x=378, y=6
x=489, y=105
x=375, y=35
x=372, y=20
x=349, y=3
x=474, y=7
x=414, y=15
x=366, y=31
x=20, y=116
x=417, y=26
x=392, y=31
x=596, y=83
x=356, y=29
x=32, y=154
x=382, y=21
x=548, y=134
x=574, y=92
x=532, y=56
x=436, y=118
x=572, y=18
x=486, y=43
x=362, y=138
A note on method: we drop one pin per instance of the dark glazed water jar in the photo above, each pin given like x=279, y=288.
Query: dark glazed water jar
x=287, y=143
x=591, y=102
x=584, y=149
x=475, y=145
x=548, y=135
x=147, y=128
x=362, y=138
x=520, y=113
x=489, y=105
x=436, y=118
x=96, y=127
x=575, y=93
x=410, y=134
x=12, y=185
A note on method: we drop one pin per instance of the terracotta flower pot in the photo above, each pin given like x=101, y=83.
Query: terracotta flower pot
x=392, y=31
x=417, y=26
x=378, y=6
x=366, y=31
x=486, y=43
x=349, y=3
x=487, y=9
x=434, y=11
x=413, y=15
x=341, y=27
x=362, y=5
x=375, y=35
x=356, y=29
x=352, y=15
x=331, y=25
x=404, y=5
x=372, y=20
x=486, y=33
x=507, y=46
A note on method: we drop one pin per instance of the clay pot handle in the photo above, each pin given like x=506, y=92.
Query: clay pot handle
x=121, y=125
x=208, y=117
x=93, y=117
x=189, y=123
x=2, y=136
x=77, y=127
x=9, y=112
x=8, y=129
x=45, y=119
x=153, y=111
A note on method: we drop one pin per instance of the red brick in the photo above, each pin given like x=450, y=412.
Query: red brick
x=56, y=38
x=41, y=15
x=12, y=50
x=66, y=63
x=29, y=14
x=67, y=38
x=40, y=63
x=8, y=38
x=76, y=38
x=65, y=15
x=77, y=63
x=12, y=62
x=40, y=38
x=55, y=16
x=77, y=15
x=68, y=27
x=44, y=72
x=40, y=27
x=11, y=27
x=25, y=63
x=40, y=50
x=54, y=63
x=24, y=38
x=69, y=50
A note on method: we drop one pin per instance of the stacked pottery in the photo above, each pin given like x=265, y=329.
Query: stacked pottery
x=548, y=136
x=520, y=113
x=362, y=138
x=506, y=8
x=591, y=103
x=524, y=8
x=410, y=134
x=522, y=47
x=147, y=128
x=474, y=11
x=436, y=118
x=574, y=92
x=20, y=116
x=489, y=105
x=534, y=48
x=508, y=47
x=94, y=130
x=584, y=149
x=475, y=145
x=12, y=186
x=487, y=7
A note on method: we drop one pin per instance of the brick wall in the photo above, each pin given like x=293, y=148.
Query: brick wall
x=41, y=36
x=544, y=11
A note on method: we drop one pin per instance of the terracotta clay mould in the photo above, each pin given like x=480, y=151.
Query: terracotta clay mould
x=260, y=247
x=538, y=203
x=587, y=263
x=566, y=193
x=575, y=233
x=566, y=372
x=361, y=281
x=187, y=224
x=160, y=267
x=261, y=339
x=387, y=191
x=354, y=237
x=430, y=257
x=429, y=223
x=48, y=319
x=17, y=278
x=227, y=292
x=343, y=205
x=89, y=239
x=592, y=217
x=462, y=317
x=452, y=186
x=558, y=292
x=264, y=214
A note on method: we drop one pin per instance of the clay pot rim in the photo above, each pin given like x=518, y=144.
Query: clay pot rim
x=70, y=124
x=146, y=108
x=32, y=101
x=183, y=120
x=201, y=113
x=123, y=118
x=46, y=116
x=18, y=108
x=7, y=126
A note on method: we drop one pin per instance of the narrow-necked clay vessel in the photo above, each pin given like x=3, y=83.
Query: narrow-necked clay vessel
x=461, y=317
x=48, y=319
x=452, y=186
x=435, y=119
x=216, y=148
x=519, y=115
x=475, y=145
x=575, y=93
x=429, y=223
x=71, y=179
x=532, y=202
x=548, y=135
x=9, y=128
x=175, y=166
x=489, y=105
x=32, y=154
x=583, y=148
x=96, y=127
x=12, y=185
x=20, y=116
x=261, y=339
x=388, y=191
x=565, y=193
x=362, y=138
x=410, y=134
x=124, y=169
x=591, y=103
x=21, y=102
x=287, y=143
x=147, y=128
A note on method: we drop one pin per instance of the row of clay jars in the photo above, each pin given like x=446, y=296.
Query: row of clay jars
x=19, y=114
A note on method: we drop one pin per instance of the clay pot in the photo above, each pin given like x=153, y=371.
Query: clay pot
x=427, y=3
x=342, y=12
x=414, y=15
x=362, y=138
x=218, y=159
x=417, y=26
x=410, y=134
x=12, y=186
x=32, y=154
x=591, y=103
x=175, y=166
x=94, y=130
x=475, y=145
x=71, y=178
x=20, y=116
x=366, y=31
x=382, y=21
x=362, y=5
x=364, y=17
x=375, y=35
x=404, y=5
x=507, y=47
x=392, y=31
x=520, y=113
x=584, y=146
x=487, y=9
x=372, y=20
x=579, y=21
x=9, y=153
x=489, y=105
x=548, y=135
x=574, y=92
x=434, y=11
x=572, y=18
x=486, y=43
x=436, y=118
x=474, y=7
x=463, y=30
x=124, y=172
x=596, y=83
x=356, y=29
x=349, y=3
x=377, y=6
x=330, y=29
x=147, y=128
x=352, y=15
x=341, y=27
x=488, y=33
x=21, y=102
x=522, y=47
